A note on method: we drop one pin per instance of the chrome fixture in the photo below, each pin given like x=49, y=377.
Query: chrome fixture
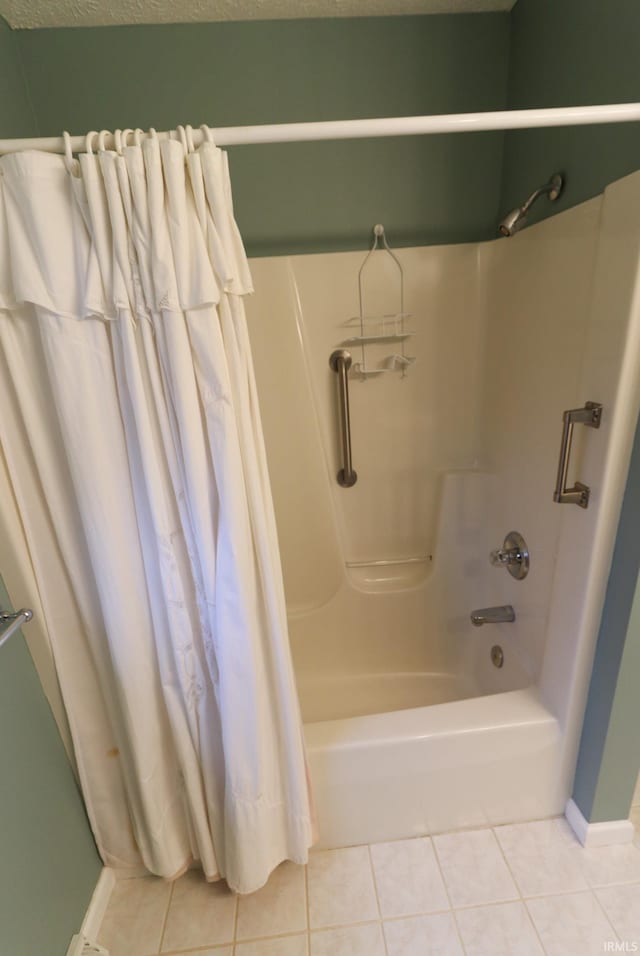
x=11, y=621
x=513, y=555
x=497, y=656
x=340, y=362
x=578, y=494
x=517, y=218
x=493, y=615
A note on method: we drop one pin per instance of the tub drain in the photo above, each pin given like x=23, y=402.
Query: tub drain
x=497, y=656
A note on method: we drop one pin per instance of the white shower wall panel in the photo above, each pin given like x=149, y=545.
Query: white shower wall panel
x=411, y=436
x=610, y=374
x=310, y=546
x=406, y=432
x=450, y=458
x=538, y=295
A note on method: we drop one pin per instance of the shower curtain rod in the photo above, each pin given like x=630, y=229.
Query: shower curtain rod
x=371, y=128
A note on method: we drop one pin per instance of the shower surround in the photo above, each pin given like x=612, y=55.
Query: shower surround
x=410, y=727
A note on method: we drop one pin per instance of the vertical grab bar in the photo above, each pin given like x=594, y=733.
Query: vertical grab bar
x=340, y=362
x=578, y=494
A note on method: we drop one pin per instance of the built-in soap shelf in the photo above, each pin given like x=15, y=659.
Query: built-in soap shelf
x=390, y=574
x=378, y=329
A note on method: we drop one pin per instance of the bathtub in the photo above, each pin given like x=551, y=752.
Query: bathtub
x=472, y=762
x=395, y=753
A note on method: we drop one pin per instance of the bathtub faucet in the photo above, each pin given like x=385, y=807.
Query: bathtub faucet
x=493, y=615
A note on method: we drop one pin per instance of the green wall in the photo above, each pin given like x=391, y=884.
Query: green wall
x=618, y=772
x=48, y=862
x=571, y=53
x=16, y=115
x=302, y=197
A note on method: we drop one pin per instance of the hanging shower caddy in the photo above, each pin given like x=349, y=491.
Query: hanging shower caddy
x=378, y=329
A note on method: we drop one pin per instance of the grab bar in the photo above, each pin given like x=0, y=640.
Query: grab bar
x=13, y=622
x=340, y=362
x=590, y=415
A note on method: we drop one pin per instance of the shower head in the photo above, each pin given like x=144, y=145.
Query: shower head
x=517, y=218
x=512, y=222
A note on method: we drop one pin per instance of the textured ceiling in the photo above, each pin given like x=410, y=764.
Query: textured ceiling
x=29, y=14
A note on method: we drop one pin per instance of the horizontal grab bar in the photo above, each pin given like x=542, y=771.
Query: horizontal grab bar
x=13, y=621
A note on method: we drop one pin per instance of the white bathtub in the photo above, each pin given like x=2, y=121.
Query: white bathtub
x=387, y=776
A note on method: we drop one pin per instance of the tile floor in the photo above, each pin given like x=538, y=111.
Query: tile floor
x=520, y=890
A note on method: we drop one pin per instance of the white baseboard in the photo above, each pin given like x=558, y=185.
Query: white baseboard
x=129, y=872
x=98, y=905
x=80, y=946
x=598, y=834
x=83, y=944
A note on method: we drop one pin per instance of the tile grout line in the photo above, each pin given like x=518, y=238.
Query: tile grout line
x=517, y=886
x=306, y=904
x=260, y=939
x=448, y=895
x=166, y=916
x=506, y=863
x=362, y=922
x=604, y=912
x=372, y=870
x=236, y=914
x=197, y=951
x=601, y=886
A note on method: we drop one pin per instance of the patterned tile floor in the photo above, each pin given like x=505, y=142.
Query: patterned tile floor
x=520, y=890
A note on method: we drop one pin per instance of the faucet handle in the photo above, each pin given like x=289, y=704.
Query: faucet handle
x=513, y=555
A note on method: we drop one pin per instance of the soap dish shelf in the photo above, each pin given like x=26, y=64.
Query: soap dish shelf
x=393, y=363
x=378, y=337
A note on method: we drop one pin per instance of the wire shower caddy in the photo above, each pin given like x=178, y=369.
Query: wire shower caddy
x=380, y=328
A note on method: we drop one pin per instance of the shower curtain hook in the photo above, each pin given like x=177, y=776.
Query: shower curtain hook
x=208, y=135
x=117, y=137
x=101, y=138
x=137, y=136
x=190, y=142
x=126, y=133
x=88, y=141
x=71, y=163
x=183, y=139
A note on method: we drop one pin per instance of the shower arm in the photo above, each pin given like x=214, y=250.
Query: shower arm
x=528, y=203
x=553, y=189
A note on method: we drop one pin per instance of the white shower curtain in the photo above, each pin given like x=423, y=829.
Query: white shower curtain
x=131, y=429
